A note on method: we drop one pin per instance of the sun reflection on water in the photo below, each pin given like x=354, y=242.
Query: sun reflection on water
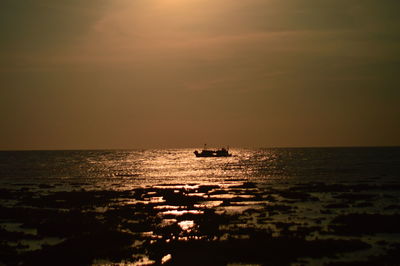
x=180, y=166
x=186, y=225
x=181, y=212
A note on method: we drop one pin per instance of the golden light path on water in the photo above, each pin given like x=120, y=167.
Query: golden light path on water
x=181, y=166
x=186, y=175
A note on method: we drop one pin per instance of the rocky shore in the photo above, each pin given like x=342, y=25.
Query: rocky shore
x=232, y=222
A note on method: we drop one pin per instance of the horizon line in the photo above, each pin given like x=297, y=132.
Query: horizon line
x=181, y=148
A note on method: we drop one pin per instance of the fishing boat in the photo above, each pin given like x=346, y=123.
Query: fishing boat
x=223, y=152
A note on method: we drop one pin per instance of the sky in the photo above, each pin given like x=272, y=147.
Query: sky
x=116, y=74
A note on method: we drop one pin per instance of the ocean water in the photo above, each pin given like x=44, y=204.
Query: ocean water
x=131, y=168
x=312, y=206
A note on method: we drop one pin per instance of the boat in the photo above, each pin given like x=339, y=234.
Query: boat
x=213, y=153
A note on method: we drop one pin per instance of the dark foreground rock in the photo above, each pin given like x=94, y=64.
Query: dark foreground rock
x=194, y=225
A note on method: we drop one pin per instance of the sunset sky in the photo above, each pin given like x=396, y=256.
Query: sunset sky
x=97, y=74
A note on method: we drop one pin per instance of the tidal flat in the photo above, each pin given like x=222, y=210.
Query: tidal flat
x=233, y=222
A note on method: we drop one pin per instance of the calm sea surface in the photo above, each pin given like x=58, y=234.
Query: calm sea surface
x=280, y=206
x=126, y=169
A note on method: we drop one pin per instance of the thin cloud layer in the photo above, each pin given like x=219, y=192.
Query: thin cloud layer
x=256, y=71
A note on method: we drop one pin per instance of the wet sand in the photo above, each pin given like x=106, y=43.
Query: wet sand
x=233, y=222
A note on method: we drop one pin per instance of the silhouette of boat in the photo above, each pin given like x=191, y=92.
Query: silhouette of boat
x=213, y=153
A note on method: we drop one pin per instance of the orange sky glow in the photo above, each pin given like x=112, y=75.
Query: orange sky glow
x=143, y=74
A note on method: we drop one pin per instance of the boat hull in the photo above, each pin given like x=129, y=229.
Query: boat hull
x=211, y=153
x=199, y=155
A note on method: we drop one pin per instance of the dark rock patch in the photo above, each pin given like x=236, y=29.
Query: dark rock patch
x=351, y=224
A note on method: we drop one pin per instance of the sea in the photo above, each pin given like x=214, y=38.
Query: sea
x=264, y=206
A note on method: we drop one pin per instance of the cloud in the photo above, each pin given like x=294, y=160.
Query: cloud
x=256, y=64
x=43, y=25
